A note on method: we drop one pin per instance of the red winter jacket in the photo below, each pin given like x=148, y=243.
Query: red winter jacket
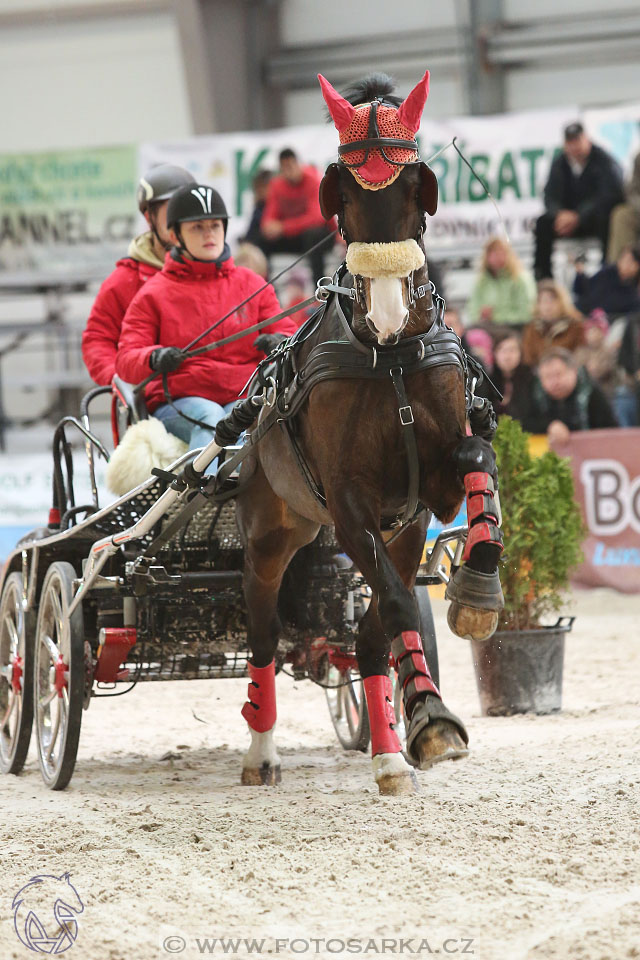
x=179, y=303
x=101, y=335
x=295, y=205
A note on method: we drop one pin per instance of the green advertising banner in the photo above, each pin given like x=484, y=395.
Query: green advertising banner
x=70, y=212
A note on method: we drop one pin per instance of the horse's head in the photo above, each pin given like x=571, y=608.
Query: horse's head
x=380, y=191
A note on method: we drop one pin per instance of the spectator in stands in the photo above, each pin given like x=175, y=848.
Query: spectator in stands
x=145, y=258
x=260, y=185
x=248, y=255
x=292, y=221
x=479, y=342
x=584, y=185
x=198, y=284
x=564, y=399
x=512, y=377
x=556, y=323
x=613, y=289
x=503, y=292
x=624, y=229
x=629, y=360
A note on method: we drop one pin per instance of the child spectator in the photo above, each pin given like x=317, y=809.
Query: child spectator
x=556, y=323
x=503, y=293
x=512, y=377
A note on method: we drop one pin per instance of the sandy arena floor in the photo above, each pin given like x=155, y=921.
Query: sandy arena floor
x=528, y=849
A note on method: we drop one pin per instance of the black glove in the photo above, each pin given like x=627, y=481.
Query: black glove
x=267, y=342
x=166, y=359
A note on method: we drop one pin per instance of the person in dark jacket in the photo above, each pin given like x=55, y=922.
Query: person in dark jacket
x=613, y=289
x=564, y=399
x=584, y=184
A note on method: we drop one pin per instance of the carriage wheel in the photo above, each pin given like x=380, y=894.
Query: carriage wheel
x=16, y=676
x=59, y=675
x=430, y=647
x=347, y=708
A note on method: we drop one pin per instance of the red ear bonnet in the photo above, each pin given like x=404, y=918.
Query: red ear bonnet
x=352, y=123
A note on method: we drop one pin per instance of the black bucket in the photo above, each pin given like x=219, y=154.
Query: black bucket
x=520, y=671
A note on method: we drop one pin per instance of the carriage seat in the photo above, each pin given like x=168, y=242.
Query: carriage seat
x=135, y=403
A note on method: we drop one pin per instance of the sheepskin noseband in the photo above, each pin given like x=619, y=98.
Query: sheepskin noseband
x=375, y=260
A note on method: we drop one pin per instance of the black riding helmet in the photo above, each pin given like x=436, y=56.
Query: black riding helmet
x=195, y=202
x=160, y=183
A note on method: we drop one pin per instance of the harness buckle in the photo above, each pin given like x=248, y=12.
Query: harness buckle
x=406, y=415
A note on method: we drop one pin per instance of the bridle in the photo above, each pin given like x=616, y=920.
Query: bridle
x=374, y=141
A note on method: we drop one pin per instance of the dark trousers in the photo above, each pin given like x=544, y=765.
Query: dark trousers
x=545, y=235
x=298, y=244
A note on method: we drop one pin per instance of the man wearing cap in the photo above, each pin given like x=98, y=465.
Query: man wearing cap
x=584, y=184
x=144, y=259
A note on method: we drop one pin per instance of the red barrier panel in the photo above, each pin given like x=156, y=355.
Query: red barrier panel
x=606, y=473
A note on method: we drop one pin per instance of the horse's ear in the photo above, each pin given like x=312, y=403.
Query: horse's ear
x=428, y=192
x=330, y=192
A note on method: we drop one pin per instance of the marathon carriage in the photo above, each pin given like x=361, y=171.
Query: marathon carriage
x=150, y=588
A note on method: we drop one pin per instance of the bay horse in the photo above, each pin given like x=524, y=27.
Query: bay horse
x=347, y=460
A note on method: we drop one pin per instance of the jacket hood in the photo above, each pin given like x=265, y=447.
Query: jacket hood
x=141, y=249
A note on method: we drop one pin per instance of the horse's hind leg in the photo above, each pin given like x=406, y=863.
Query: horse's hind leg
x=475, y=592
x=272, y=534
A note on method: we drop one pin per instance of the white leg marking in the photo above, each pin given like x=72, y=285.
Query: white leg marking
x=390, y=765
x=262, y=749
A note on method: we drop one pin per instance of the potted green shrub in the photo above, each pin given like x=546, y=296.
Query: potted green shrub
x=519, y=669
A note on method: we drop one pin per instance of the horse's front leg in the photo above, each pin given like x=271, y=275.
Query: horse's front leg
x=433, y=732
x=272, y=535
x=475, y=591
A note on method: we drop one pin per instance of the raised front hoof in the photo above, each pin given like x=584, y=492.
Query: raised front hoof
x=470, y=623
x=394, y=776
x=439, y=741
x=263, y=776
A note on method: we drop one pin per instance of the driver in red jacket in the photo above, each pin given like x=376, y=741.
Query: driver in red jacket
x=198, y=284
x=144, y=259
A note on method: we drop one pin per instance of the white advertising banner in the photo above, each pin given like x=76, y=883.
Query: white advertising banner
x=510, y=152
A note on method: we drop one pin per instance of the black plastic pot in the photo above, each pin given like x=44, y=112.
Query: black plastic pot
x=520, y=671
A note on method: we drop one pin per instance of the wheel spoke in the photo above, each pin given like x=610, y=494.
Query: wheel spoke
x=14, y=638
x=12, y=702
x=54, y=651
x=57, y=610
x=54, y=736
x=46, y=700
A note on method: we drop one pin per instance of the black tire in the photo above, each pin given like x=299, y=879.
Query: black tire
x=16, y=663
x=428, y=632
x=59, y=639
x=347, y=708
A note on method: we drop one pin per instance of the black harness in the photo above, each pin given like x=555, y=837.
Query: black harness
x=291, y=381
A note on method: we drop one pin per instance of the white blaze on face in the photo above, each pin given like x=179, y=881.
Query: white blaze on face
x=387, y=312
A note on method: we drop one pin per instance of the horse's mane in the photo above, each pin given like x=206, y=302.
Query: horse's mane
x=374, y=85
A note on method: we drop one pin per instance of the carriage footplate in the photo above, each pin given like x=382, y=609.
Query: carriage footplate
x=115, y=644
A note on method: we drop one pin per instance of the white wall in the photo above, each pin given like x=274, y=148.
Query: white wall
x=91, y=82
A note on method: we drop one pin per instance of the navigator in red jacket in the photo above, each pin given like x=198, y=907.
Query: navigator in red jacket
x=177, y=305
x=101, y=335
